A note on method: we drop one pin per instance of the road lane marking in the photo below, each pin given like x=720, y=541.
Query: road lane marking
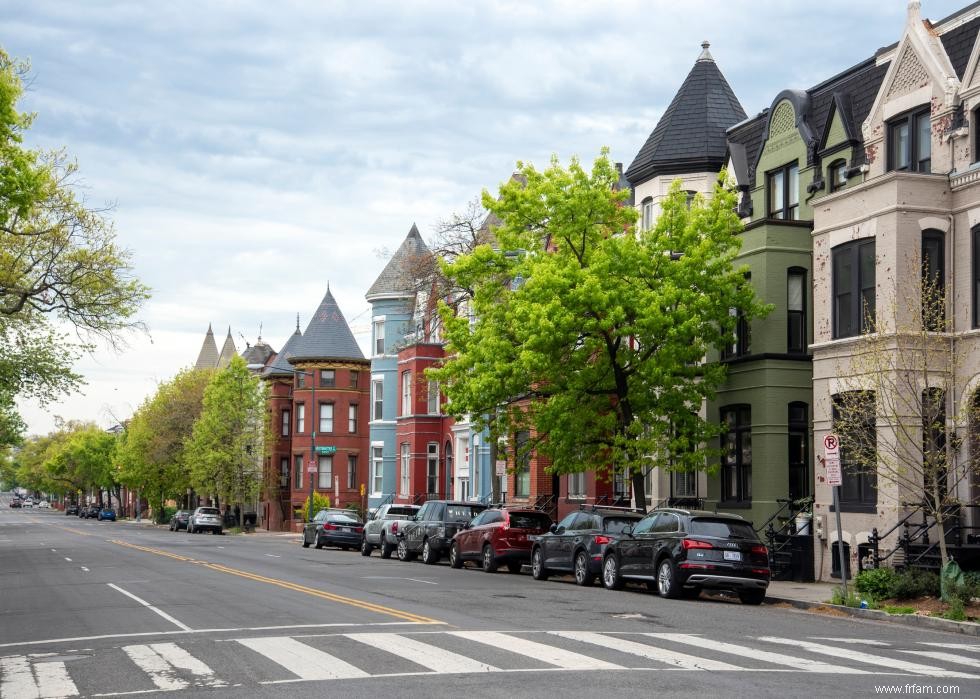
x=799, y=663
x=306, y=662
x=432, y=657
x=149, y=606
x=858, y=656
x=45, y=680
x=272, y=555
x=322, y=594
x=538, y=651
x=54, y=550
x=681, y=660
x=161, y=661
x=955, y=646
x=947, y=657
x=85, y=569
x=67, y=559
x=856, y=641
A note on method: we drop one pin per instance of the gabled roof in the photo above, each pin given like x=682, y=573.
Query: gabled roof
x=207, y=358
x=259, y=353
x=397, y=279
x=690, y=136
x=327, y=336
x=280, y=366
x=228, y=350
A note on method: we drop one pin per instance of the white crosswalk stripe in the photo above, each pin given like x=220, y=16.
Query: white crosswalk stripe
x=953, y=646
x=758, y=654
x=306, y=662
x=947, y=657
x=424, y=654
x=856, y=655
x=163, y=661
x=538, y=651
x=22, y=679
x=643, y=650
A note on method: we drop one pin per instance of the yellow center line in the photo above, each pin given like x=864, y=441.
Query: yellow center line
x=322, y=594
x=73, y=531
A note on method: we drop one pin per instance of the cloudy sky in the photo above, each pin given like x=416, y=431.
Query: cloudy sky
x=256, y=151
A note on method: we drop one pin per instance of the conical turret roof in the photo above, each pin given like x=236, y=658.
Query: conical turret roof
x=280, y=366
x=397, y=279
x=690, y=136
x=228, y=350
x=207, y=358
x=327, y=336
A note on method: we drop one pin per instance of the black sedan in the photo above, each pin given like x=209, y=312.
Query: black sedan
x=681, y=552
x=71, y=510
x=90, y=512
x=179, y=520
x=333, y=528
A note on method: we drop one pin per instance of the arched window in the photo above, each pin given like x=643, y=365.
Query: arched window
x=646, y=211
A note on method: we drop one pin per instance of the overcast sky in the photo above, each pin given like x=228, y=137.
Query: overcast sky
x=256, y=151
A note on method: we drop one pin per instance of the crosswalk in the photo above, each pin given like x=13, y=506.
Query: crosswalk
x=203, y=663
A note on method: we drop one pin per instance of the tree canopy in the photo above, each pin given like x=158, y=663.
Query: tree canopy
x=588, y=334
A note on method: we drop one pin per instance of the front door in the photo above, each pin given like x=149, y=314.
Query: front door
x=635, y=549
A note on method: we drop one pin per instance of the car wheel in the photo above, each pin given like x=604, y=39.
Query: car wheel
x=403, y=553
x=489, y=560
x=610, y=574
x=429, y=555
x=365, y=547
x=319, y=541
x=190, y=528
x=306, y=544
x=667, y=585
x=583, y=576
x=386, y=548
x=455, y=557
x=538, y=571
x=752, y=596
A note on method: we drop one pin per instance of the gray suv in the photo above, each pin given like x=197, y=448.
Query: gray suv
x=204, y=519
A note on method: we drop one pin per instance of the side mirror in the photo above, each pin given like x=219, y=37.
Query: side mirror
x=553, y=529
x=628, y=530
x=560, y=530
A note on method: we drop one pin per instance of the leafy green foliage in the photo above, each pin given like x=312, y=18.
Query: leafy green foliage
x=75, y=457
x=876, y=584
x=588, y=334
x=898, y=609
x=852, y=600
x=320, y=502
x=912, y=583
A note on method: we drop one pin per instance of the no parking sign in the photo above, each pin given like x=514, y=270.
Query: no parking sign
x=831, y=459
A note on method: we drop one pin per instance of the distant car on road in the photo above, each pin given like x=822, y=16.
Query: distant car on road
x=341, y=528
x=498, y=536
x=44, y=505
x=71, y=510
x=29, y=503
x=16, y=502
x=179, y=520
x=90, y=512
x=106, y=514
x=382, y=528
x=204, y=519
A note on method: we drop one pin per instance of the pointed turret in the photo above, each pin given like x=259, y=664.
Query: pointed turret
x=328, y=336
x=280, y=366
x=690, y=136
x=228, y=350
x=398, y=278
x=207, y=358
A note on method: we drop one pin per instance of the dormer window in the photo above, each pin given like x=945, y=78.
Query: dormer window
x=837, y=175
x=784, y=192
x=910, y=142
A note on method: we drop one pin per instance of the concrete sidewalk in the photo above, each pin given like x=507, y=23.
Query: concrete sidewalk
x=813, y=593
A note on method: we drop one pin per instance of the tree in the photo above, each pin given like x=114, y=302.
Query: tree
x=152, y=454
x=590, y=337
x=896, y=415
x=76, y=457
x=59, y=261
x=230, y=440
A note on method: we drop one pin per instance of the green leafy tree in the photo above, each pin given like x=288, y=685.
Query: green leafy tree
x=152, y=454
x=589, y=335
x=76, y=457
x=230, y=439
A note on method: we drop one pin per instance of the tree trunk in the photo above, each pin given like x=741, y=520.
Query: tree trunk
x=940, y=515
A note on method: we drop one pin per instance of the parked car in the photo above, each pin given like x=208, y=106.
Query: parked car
x=431, y=530
x=16, y=502
x=576, y=544
x=71, y=510
x=498, y=536
x=381, y=529
x=179, y=520
x=204, y=519
x=91, y=512
x=341, y=528
x=106, y=514
x=28, y=503
x=681, y=552
x=43, y=504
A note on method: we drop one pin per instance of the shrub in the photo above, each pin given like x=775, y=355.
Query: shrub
x=320, y=502
x=165, y=514
x=852, y=600
x=912, y=583
x=876, y=584
x=894, y=609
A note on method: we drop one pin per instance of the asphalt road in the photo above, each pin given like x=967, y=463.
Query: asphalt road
x=107, y=609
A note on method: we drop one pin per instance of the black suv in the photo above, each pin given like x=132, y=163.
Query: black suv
x=576, y=544
x=430, y=532
x=681, y=552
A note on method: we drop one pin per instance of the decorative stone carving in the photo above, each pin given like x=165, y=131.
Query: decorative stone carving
x=910, y=75
x=783, y=119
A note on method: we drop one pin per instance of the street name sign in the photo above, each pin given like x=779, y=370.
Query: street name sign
x=326, y=450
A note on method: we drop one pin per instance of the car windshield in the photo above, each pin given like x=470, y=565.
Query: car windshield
x=722, y=529
x=465, y=512
x=530, y=520
x=209, y=511
x=615, y=525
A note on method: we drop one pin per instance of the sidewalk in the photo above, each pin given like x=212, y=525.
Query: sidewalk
x=811, y=593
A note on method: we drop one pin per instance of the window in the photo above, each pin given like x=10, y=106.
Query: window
x=300, y=379
x=298, y=472
x=976, y=276
x=683, y=484
x=646, y=214
x=328, y=378
x=975, y=127
x=576, y=485
x=742, y=337
x=351, y=471
x=854, y=288
x=406, y=393
x=377, y=398
x=284, y=472
x=934, y=466
x=854, y=415
x=666, y=523
x=447, y=450
x=799, y=452
x=522, y=465
x=432, y=405
x=646, y=525
x=285, y=423
x=934, y=281
x=620, y=484
x=324, y=472
x=326, y=417
x=796, y=311
x=352, y=418
x=736, y=463
x=910, y=142
x=300, y=418
x=837, y=175
x=354, y=378
x=406, y=465
x=377, y=472
x=379, y=337
x=784, y=192
x=432, y=468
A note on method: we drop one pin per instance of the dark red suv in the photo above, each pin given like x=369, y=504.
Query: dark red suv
x=498, y=536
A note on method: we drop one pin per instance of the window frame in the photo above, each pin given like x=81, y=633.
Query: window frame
x=859, y=318
x=576, y=485
x=646, y=214
x=351, y=471
x=787, y=211
x=324, y=472
x=300, y=418
x=327, y=378
x=297, y=472
x=801, y=315
x=325, y=423
x=352, y=418
x=736, y=472
x=911, y=120
x=432, y=398
x=377, y=398
x=283, y=471
x=798, y=427
x=406, y=402
x=405, y=472
x=286, y=422
x=377, y=468
x=353, y=377
x=837, y=175
x=864, y=482
x=432, y=467
x=379, y=337
x=935, y=239
x=522, y=465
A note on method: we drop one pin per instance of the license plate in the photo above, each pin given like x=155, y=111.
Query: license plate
x=346, y=529
x=733, y=555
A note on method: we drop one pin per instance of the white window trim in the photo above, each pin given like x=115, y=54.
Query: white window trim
x=381, y=467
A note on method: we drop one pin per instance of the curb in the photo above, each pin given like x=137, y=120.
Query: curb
x=968, y=628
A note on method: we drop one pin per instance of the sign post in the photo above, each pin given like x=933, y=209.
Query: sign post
x=831, y=461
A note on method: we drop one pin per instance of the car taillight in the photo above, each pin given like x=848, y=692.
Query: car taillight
x=394, y=527
x=329, y=526
x=602, y=539
x=695, y=544
x=760, y=549
x=761, y=571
